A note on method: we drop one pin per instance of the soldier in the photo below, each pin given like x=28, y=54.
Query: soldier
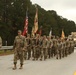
x=59, y=49
x=33, y=43
x=49, y=46
x=72, y=45
x=40, y=47
x=44, y=46
x=63, y=47
x=18, y=49
x=37, y=47
x=66, y=47
x=69, y=44
x=25, y=49
x=28, y=40
x=54, y=47
x=0, y=42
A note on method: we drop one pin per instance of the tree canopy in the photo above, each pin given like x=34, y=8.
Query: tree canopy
x=12, y=17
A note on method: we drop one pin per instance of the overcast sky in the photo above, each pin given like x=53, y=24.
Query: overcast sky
x=64, y=8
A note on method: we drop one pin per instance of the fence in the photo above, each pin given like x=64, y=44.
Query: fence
x=5, y=48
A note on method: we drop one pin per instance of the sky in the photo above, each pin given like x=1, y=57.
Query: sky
x=64, y=8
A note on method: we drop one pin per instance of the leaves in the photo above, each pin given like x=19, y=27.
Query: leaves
x=12, y=17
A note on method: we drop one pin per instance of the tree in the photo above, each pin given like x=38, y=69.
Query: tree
x=12, y=18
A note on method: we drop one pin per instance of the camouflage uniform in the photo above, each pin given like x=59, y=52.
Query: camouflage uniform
x=49, y=46
x=33, y=43
x=28, y=40
x=69, y=45
x=54, y=47
x=72, y=46
x=18, y=49
x=67, y=48
x=40, y=47
x=59, y=49
x=25, y=50
x=37, y=49
x=63, y=48
x=44, y=46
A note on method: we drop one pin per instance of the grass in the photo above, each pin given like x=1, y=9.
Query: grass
x=5, y=52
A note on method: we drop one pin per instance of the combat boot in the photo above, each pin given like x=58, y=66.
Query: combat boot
x=21, y=66
x=15, y=67
x=40, y=59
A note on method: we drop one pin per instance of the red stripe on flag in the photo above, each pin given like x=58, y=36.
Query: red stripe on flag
x=25, y=31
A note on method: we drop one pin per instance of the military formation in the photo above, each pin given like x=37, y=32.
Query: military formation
x=40, y=48
x=44, y=47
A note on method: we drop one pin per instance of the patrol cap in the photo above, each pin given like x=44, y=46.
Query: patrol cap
x=19, y=31
x=28, y=34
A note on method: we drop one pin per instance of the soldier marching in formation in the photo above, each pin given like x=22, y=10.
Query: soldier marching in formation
x=19, y=47
x=41, y=48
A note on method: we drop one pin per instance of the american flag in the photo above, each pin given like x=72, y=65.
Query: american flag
x=25, y=31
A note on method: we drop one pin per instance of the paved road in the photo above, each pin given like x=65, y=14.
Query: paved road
x=65, y=66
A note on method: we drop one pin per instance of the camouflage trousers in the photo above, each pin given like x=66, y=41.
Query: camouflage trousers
x=53, y=51
x=66, y=51
x=45, y=52
x=49, y=52
x=63, y=52
x=36, y=52
x=33, y=52
x=29, y=52
x=41, y=53
x=25, y=54
x=58, y=53
x=18, y=54
x=71, y=49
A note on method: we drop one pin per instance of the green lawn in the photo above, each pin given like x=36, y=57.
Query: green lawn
x=6, y=52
